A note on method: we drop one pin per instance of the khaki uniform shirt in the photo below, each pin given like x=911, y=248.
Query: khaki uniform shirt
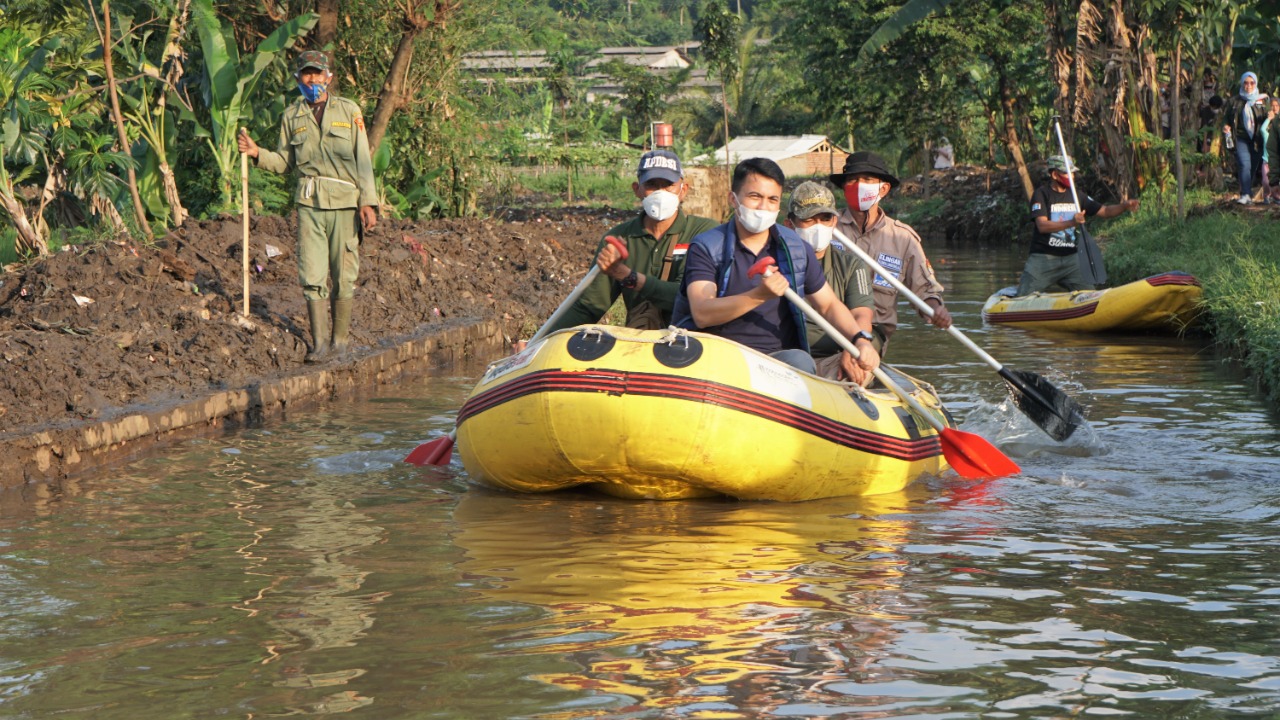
x=897, y=248
x=646, y=255
x=850, y=280
x=335, y=169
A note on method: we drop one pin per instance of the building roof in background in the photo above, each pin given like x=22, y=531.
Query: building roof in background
x=773, y=147
x=650, y=57
x=500, y=61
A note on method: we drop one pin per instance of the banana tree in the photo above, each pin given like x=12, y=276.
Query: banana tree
x=145, y=101
x=230, y=81
x=22, y=62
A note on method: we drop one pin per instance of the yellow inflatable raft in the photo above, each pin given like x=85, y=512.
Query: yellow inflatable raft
x=1160, y=301
x=671, y=414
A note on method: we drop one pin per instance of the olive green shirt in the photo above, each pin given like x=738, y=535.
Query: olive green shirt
x=646, y=255
x=850, y=280
x=335, y=169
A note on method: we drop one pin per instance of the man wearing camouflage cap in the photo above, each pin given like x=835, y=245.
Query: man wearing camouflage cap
x=1053, y=258
x=811, y=212
x=322, y=136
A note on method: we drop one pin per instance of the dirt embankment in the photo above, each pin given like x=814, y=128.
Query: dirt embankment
x=93, y=333
x=970, y=204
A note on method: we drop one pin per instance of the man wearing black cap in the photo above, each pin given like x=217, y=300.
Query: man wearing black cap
x=322, y=136
x=866, y=181
x=657, y=240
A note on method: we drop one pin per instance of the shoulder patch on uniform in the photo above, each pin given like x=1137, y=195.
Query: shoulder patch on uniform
x=342, y=124
x=359, y=121
x=1035, y=206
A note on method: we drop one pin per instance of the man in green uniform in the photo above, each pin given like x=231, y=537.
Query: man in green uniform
x=322, y=137
x=657, y=239
x=812, y=213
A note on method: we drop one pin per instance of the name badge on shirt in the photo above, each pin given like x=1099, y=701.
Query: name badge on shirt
x=893, y=265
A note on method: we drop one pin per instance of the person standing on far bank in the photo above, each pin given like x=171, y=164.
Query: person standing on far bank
x=1244, y=117
x=322, y=136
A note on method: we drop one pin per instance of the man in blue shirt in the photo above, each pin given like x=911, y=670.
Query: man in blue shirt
x=718, y=297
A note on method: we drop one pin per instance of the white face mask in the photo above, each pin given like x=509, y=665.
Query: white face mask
x=755, y=221
x=660, y=204
x=817, y=235
x=868, y=195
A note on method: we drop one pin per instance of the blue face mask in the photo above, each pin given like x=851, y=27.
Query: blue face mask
x=312, y=93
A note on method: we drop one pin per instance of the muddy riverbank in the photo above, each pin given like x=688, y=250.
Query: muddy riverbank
x=93, y=334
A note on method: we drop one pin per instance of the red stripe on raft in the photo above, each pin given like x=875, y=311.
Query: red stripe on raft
x=1172, y=279
x=652, y=385
x=1041, y=315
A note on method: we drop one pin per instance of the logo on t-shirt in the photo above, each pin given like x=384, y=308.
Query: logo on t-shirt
x=1059, y=212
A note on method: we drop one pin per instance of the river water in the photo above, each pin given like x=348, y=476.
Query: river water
x=304, y=570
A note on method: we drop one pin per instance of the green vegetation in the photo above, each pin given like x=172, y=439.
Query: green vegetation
x=122, y=113
x=1236, y=257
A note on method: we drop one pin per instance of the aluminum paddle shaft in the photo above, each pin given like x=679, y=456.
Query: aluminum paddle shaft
x=1052, y=410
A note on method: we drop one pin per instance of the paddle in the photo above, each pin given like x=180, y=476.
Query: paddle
x=1090, y=254
x=969, y=454
x=438, y=451
x=1052, y=410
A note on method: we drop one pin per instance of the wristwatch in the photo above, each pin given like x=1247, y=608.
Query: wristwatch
x=863, y=335
x=629, y=282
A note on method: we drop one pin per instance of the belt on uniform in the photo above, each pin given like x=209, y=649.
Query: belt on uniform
x=309, y=184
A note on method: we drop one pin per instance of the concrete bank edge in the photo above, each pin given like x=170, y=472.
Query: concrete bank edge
x=55, y=454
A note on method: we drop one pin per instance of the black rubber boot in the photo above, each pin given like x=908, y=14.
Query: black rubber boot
x=318, y=312
x=341, y=326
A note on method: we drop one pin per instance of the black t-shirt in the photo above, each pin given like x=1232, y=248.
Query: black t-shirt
x=1057, y=206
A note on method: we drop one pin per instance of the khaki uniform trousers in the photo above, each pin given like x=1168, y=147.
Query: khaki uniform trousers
x=328, y=252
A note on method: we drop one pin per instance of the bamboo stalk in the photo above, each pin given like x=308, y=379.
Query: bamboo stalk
x=244, y=212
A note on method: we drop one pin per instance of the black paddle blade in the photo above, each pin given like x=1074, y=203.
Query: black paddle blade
x=1053, y=410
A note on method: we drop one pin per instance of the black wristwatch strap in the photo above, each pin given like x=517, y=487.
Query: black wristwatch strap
x=863, y=335
x=629, y=282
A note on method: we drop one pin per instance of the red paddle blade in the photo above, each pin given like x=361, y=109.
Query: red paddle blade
x=436, y=452
x=973, y=457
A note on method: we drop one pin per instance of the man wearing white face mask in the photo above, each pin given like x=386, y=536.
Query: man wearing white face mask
x=811, y=212
x=657, y=240
x=866, y=181
x=719, y=296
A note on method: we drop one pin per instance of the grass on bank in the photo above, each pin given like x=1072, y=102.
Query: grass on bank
x=1236, y=256
x=548, y=187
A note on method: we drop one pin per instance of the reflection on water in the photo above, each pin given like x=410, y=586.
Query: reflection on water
x=688, y=606
x=307, y=571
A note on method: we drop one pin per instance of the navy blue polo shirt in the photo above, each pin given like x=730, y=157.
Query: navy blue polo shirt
x=770, y=326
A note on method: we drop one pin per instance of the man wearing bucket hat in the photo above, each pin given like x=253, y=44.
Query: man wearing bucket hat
x=866, y=180
x=811, y=212
x=322, y=136
x=1053, y=259
x=657, y=239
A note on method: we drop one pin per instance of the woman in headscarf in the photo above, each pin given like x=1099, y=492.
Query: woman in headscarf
x=1244, y=117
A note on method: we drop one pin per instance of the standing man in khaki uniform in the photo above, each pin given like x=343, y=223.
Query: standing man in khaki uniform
x=866, y=180
x=322, y=136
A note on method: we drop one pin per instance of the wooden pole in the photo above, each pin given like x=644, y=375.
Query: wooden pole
x=244, y=212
